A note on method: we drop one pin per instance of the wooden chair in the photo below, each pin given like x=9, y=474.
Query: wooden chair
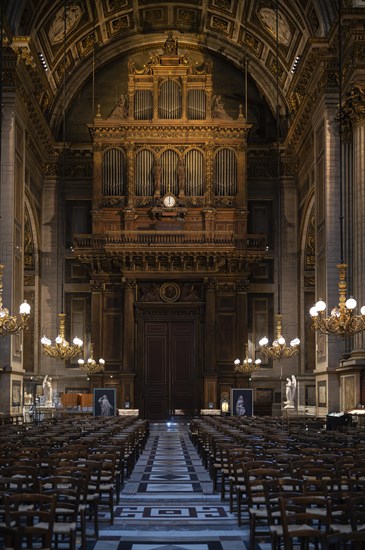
x=33, y=516
x=241, y=489
x=91, y=495
x=255, y=479
x=69, y=516
x=273, y=490
x=218, y=461
x=236, y=457
x=106, y=484
x=304, y=519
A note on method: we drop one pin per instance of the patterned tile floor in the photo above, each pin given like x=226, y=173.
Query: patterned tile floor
x=168, y=502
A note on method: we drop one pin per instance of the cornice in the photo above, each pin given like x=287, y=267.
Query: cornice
x=178, y=132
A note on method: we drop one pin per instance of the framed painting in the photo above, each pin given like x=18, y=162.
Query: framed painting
x=16, y=397
x=105, y=402
x=241, y=402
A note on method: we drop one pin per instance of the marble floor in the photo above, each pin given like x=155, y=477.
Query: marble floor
x=168, y=502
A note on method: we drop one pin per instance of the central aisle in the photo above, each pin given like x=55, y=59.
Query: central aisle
x=168, y=502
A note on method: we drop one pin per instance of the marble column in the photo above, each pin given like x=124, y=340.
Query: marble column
x=355, y=110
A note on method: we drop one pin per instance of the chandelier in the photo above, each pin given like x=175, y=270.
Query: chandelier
x=12, y=324
x=342, y=321
x=90, y=366
x=248, y=365
x=61, y=349
x=279, y=349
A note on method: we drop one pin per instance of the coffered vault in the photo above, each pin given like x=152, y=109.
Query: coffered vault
x=100, y=31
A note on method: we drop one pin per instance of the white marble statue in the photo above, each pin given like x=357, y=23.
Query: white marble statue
x=290, y=389
x=47, y=391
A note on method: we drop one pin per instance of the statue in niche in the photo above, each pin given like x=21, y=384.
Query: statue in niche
x=121, y=108
x=170, y=47
x=156, y=173
x=47, y=391
x=218, y=110
x=290, y=389
x=181, y=176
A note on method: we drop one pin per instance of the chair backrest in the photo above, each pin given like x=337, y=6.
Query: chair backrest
x=254, y=483
x=254, y=464
x=27, y=474
x=276, y=488
x=308, y=510
x=33, y=515
x=66, y=488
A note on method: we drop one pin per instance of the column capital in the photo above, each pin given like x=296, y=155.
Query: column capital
x=354, y=106
x=128, y=284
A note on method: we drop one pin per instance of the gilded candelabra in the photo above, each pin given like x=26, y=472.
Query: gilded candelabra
x=342, y=321
x=12, y=324
x=61, y=349
x=248, y=365
x=91, y=366
x=279, y=349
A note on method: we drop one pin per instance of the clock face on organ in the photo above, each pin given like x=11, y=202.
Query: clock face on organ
x=169, y=201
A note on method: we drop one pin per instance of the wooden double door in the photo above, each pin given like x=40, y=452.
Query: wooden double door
x=169, y=373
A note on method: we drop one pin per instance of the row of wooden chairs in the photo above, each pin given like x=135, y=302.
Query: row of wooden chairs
x=83, y=474
x=242, y=462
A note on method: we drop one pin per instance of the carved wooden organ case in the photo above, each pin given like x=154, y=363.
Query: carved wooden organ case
x=169, y=190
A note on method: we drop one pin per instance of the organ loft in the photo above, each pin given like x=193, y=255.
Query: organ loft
x=169, y=255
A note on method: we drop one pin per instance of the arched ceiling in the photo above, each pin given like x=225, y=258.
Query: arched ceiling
x=99, y=31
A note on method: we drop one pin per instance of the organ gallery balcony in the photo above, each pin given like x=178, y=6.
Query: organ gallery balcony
x=204, y=251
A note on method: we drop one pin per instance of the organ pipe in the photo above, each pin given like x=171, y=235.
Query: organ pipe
x=194, y=163
x=143, y=105
x=225, y=173
x=170, y=104
x=196, y=105
x=144, y=179
x=113, y=173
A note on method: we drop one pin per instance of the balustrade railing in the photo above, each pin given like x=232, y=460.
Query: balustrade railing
x=166, y=239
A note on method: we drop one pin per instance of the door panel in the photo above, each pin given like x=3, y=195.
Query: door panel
x=182, y=367
x=168, y=368
x=155, y=396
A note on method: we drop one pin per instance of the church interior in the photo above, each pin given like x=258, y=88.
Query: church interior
x=180, y=183
x=182, y=294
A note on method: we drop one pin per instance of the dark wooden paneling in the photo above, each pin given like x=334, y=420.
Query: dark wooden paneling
x=112, y=331
x=155, y=394
x=182, y=371
x=226, y=336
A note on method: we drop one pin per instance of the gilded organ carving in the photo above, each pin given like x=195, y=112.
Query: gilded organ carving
x=172, y=183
